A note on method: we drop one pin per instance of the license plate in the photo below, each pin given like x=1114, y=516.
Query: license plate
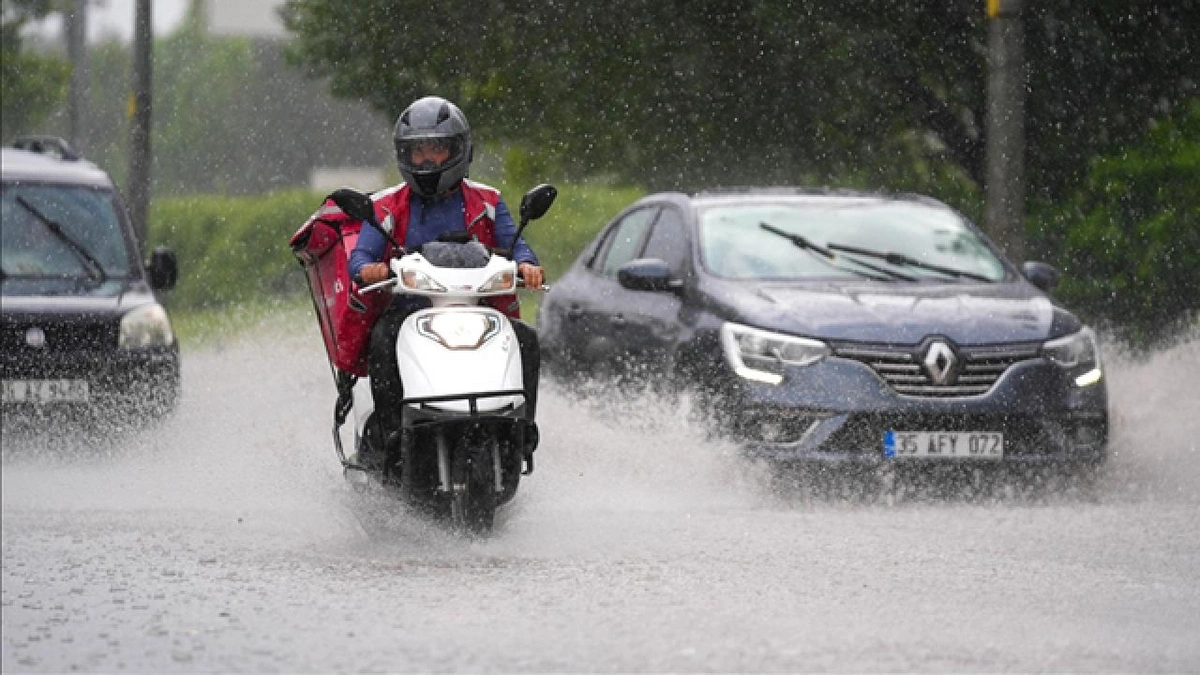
x=943, y=444
x=45, y=391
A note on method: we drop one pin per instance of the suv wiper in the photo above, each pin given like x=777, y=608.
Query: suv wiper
x=804, y=243
x=94, y=269
x=902, y=260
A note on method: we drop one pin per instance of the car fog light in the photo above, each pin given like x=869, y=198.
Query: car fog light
x=1089, y=378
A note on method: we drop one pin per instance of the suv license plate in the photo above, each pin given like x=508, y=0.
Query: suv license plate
x=943, y=444
x=45, y=391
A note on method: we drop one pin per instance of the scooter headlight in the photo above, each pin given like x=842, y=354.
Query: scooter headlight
x=419, y=281
x=459, y=330
x=760, y=355
x=504, y=281
x=1078, y=354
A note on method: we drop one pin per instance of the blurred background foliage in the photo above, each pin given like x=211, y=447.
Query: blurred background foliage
x=675, y=94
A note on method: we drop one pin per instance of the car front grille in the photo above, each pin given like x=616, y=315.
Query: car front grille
x=59, y=336
x=977, y=367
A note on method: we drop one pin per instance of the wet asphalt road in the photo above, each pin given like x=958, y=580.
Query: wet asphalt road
x=226, y=540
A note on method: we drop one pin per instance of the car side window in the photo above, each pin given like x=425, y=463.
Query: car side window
x=669, y=241
x=625, y=241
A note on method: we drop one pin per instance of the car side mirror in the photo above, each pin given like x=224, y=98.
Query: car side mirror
x=163, y=269
x=537, y=202
x=1041, y=275
x=354, y=204
x=647, y=274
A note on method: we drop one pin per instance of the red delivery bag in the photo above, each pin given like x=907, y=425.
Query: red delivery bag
x=323, y=246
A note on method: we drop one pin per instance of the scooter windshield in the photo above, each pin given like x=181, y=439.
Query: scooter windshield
x=450, y=254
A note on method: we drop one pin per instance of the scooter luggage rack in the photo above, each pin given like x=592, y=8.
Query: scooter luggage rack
x=472, y=401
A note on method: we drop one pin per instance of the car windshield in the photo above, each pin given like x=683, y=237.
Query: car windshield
x=60, y=234
x=743, y=241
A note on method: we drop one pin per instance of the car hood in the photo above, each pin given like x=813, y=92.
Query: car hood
x=965, y=313
x=113, y=298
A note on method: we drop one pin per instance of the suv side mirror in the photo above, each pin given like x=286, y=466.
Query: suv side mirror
x=1041, y=275
x=647, y=274
x=163, y=269
x=537, y=202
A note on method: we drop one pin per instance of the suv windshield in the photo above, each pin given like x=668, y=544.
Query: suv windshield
x=735, y=243
x=59, y=237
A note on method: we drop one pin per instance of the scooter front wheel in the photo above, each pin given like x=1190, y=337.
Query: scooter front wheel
x=473, y=491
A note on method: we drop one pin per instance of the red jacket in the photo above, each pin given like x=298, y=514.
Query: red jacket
x=344, y=315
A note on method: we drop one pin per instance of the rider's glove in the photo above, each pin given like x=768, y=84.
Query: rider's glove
x=373, y=273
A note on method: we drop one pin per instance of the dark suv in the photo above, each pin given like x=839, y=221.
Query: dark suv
x=80, y=326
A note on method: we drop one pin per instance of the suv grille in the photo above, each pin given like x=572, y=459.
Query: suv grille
x=62, y=336
x=900, y=366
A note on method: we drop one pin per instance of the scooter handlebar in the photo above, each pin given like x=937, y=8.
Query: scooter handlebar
x=386, y=283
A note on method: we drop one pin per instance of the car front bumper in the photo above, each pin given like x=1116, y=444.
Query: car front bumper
x=129, y=382
x=839, y=410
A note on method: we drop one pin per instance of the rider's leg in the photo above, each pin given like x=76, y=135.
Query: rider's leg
x=386, y=388
x=531, y=362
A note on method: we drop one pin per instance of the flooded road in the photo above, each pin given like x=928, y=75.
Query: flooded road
x=226, y=540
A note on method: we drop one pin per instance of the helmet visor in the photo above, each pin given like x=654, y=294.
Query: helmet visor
x=421, y=155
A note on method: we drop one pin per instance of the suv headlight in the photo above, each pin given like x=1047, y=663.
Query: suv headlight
x=146, y=326
x=760, y=355
x=1078, y=354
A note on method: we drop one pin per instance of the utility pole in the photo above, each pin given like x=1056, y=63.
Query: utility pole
x=75, y=23
x=139, y=130
x=1006, y=127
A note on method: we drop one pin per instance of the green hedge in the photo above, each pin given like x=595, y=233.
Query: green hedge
x=234, y=250
x=231, y=249
x=1128, y=241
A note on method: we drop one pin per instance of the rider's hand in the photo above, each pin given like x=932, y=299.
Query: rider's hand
x=532, y=274
x=373, y=273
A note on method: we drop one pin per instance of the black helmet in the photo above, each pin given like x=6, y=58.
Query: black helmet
x=433, y=123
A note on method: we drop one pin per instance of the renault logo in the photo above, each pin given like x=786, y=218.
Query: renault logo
x=940, y=363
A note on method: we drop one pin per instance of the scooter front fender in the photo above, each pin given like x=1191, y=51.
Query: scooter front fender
x=458, y=351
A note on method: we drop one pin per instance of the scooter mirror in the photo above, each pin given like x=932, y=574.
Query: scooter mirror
x=354, y=204
x=537, y=201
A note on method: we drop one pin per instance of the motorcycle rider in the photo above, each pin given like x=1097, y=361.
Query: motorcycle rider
x=436, y=201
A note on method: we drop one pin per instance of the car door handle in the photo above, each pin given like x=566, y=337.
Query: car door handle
x=574, y=312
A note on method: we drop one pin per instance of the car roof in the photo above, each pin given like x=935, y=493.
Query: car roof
x=809, y=195
x=25, y=166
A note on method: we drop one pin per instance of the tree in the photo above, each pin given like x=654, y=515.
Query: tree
x=716, y=91
x=1131, y=253
x=31, y=85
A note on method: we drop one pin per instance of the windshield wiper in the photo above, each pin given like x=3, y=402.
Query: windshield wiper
x=94, y=269
x=902, y=260
x=829, y=256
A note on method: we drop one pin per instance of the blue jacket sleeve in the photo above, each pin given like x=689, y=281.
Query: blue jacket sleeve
x=368, y=249
x=506, y=229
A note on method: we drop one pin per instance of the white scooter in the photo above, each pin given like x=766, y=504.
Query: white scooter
x=465, y=438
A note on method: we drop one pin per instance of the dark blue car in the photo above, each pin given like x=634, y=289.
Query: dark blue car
x=835, y=326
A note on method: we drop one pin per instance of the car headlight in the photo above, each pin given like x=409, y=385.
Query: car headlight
x=502, y=281
x=459, y=330
x=1077, y=353
x=146, y=326
x=419, y=281
x=760, y=355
